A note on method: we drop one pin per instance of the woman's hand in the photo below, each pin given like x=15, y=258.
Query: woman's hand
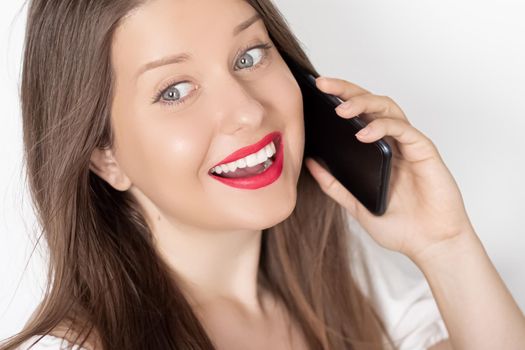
x=424, y=205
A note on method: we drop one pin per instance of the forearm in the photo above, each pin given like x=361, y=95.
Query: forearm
x=478, y=309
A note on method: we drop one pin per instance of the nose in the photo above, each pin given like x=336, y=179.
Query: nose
x=235, y=106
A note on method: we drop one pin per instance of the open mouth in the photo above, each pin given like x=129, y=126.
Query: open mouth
x=251, y=165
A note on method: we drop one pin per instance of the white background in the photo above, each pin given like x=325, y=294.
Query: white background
x=457, y=69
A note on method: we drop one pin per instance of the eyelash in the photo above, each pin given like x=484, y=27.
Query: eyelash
x=265, y=46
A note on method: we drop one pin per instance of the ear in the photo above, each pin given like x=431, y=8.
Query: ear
x=104, y=164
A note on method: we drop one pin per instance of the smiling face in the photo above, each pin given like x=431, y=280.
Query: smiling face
x=175, y=119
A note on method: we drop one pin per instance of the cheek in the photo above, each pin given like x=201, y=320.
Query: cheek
x=161, y=153
x=289, y=100
x=288, y=95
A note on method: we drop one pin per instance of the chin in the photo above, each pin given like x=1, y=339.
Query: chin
x=274, y=212
x=283, y=209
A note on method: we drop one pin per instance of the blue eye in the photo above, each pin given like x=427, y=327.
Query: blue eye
x=170, y=94
x=174, y=94
x=248, y=59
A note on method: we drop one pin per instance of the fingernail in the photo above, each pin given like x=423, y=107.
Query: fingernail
x=344, y=105
x=363, y=132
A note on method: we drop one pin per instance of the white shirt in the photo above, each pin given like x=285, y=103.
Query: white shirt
x=397, y=288
x=48, y=342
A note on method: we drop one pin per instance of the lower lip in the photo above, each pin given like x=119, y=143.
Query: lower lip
x=265, y=178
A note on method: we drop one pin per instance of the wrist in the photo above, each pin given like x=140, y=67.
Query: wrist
x=449, y=251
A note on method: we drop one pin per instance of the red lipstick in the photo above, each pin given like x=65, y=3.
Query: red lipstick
x=265, y=178
x=243, y=152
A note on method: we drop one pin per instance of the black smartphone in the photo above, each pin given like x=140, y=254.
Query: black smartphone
x=362, y=168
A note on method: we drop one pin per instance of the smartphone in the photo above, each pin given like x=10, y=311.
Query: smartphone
x=362, y=168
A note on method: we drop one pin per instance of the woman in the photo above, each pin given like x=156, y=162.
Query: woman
x=127, y=108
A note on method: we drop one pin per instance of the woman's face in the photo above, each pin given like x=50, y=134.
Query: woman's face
x=231, y=95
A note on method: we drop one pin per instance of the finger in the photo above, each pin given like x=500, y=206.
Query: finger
x=339, y=87
x=334, y=189
x=371, y=105
x=396, y=152
x=413, y=145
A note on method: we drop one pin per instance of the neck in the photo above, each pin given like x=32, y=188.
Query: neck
x=214, y=266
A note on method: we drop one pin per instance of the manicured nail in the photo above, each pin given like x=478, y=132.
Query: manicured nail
x=363, y=132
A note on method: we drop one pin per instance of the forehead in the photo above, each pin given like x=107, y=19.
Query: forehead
x=165, y=27
x=186, y=11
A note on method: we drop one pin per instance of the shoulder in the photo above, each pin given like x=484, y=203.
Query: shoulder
x=48, y=342
x=397, y=290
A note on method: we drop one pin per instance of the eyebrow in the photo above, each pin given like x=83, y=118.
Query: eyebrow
x=183, y=57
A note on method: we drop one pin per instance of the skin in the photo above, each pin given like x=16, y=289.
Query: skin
x=163, y=153
x=426, y=220
x=208, y=232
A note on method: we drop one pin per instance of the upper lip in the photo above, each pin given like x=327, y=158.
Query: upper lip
x=243, y=152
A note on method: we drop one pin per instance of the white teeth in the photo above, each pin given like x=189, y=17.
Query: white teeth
x=253, y=159
x=268, y=150
x=261, y=155
x=241, y=163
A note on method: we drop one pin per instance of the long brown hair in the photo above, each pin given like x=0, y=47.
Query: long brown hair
x=96, y=234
